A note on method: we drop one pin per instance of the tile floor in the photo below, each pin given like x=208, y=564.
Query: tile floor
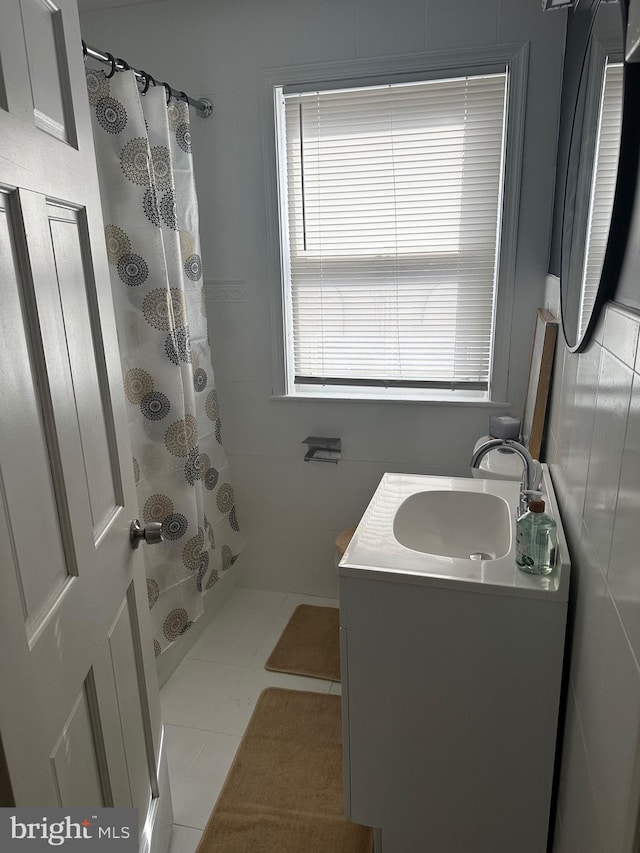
x=207, y=702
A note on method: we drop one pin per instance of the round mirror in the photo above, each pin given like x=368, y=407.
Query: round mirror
x=595, y=218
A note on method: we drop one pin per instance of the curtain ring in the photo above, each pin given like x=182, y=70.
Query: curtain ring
x=124, y=63
x=112, y=60
x=84, y=50
x=184, y=97
x=147, y=80
x=168, y=91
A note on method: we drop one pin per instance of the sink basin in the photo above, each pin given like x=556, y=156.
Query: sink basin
x=464, y=524
x=450, y=533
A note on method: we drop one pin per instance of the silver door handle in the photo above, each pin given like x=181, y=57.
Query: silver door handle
x=151, y=533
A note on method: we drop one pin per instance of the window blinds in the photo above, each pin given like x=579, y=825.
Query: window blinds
x=603, y=187
x=392, y=200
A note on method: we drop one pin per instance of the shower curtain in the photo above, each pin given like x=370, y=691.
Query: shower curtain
x=149, y=205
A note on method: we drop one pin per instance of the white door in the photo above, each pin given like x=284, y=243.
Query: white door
x=79, y=710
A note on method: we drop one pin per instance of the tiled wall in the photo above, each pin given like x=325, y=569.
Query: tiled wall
x=292, y=510
x=594, y=457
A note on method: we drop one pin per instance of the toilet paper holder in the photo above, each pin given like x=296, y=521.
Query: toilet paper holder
x=321, y=449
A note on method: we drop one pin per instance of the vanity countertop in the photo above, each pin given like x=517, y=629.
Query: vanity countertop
x=375, y=553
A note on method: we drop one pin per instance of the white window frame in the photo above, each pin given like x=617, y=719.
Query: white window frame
x=441, y=64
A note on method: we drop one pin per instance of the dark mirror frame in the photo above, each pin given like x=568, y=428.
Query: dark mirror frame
x=625, y=187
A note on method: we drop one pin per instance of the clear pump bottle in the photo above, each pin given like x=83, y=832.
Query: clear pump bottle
x=536, y=540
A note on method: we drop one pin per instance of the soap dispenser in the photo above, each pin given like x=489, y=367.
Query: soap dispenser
x=536, y=540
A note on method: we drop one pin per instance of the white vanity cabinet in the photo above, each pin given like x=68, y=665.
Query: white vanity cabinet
x=451, y=690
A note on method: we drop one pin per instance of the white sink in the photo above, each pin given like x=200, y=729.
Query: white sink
x=451, y=532
x=450, y=523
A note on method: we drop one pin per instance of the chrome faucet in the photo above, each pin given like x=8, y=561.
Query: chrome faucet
x=531, y=473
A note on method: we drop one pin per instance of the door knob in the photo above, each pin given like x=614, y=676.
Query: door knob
x=151, y=533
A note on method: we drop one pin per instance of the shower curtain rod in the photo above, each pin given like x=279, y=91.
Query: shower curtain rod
x=203, y=106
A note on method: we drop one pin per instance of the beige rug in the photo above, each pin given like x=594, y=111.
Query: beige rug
x=284, y=793
x=310, y=644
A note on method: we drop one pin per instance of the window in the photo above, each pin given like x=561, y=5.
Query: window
x=398, y=215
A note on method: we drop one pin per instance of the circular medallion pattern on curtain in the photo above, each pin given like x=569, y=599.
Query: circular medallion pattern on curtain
x=111, y=115
x=143, y=149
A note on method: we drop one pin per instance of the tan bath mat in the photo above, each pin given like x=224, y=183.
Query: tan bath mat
x=310, y=644
x=284, y=791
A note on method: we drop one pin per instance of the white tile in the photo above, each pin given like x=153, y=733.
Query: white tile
x=235, y=715
x=624, y=578
x=195, y=797
x=256, y=600
x=558, y=476
x=578, y=830
x=197, y=691
x=272, y=490
x=336, y=688
x=184, y=839
x=267, y=646
x=580, y=416
x=620, y=335
x=241, y=353
x=183, y=746
x=233, y=637
x=215, y=600
x=324, y=572
x=613, y=741
x=589, y=589
x=566, y=402
x=438, y=437
x=277, y=559
x=298, y=558
x=338, y=495
x=255, y=425
x=572, y=506
x=609, y=426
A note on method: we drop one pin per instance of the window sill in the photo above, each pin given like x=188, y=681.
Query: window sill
x=379, y=397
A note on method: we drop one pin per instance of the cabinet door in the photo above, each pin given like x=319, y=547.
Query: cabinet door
x=451, y=702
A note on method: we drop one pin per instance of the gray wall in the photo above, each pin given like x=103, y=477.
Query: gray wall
x=594, y=456
x=292, y=510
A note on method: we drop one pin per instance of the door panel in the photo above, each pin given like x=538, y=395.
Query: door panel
x=74, y=759
x=15, y=97
x=136, y=728
x=48, y=70
x=76, y=289
x=117, y=789
x=39, y=561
